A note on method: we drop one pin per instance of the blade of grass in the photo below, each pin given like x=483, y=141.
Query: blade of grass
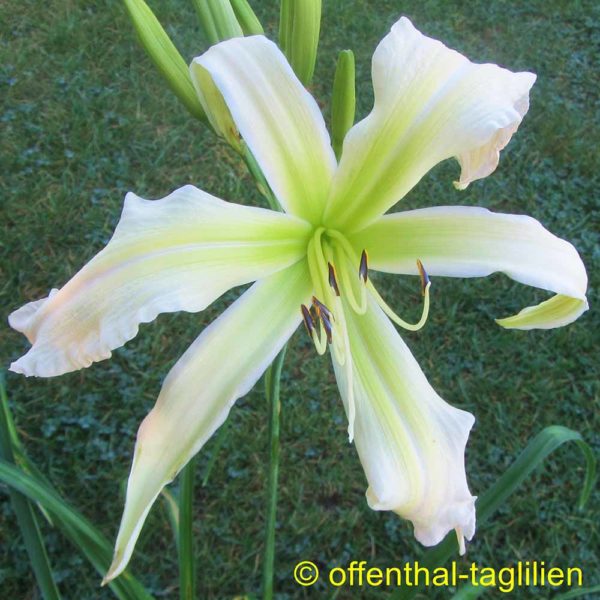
x=77, y=528
x=470, y=592
x=26, y=518
x=578, y=593
x=172, y=508
x=187, y=571
x=543, y=444
x=218, y=444
x=272, y=380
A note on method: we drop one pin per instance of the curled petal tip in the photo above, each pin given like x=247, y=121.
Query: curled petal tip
x=110, y=575
x=117, y=567
x=462, y=549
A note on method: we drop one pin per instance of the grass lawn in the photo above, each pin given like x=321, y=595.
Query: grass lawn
x=85, y=119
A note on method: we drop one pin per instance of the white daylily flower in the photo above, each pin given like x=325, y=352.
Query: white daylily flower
x=184, y=251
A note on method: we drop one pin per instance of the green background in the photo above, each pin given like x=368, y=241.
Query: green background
x=85, y=118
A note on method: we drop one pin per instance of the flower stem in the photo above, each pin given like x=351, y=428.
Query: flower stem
x=260, y=180
x=187, y=571
x=272, y=378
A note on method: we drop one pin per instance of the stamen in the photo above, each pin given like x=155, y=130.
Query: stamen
x=327, y=325
x=363, y=269
x=425, y=283
x=320, y=341
x=308, y=320
x=325, y=316
x=332, y=280
x=358, y=305
x=321, y=309
x=343, y=356
x=317, y=264
x=423, y=275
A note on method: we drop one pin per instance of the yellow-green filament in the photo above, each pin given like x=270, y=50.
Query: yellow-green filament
x=320, y=339
x=394, y=317
x=359, y=306
x=346, y=362
x=313, y=267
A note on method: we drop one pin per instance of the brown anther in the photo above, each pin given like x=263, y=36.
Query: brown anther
x=321, y=309
x=332, y=280
x=363, y=269
x=424, y=277
x=308, y=320
x=327, y=325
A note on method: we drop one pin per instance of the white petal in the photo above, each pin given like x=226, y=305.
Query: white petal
x=178, y=253
x=431, y=103
x=410, y=442
x=461, y=241
x=278, y=119
x=221, y=365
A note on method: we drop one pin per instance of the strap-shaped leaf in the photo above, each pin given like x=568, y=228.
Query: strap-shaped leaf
x=93, y=545
x=24, y=512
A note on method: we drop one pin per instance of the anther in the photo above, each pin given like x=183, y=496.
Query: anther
x=327, y=326
x=332, y=279
x=363, y=269
x=424, y=277
x=308, y=320
x=322, y=310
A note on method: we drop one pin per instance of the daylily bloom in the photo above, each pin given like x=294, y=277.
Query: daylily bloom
x=312, y=263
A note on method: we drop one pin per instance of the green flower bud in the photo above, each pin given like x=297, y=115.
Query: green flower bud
x=299, y=26
x=165, y=56
x=218, y=20
x=246, y=18
x=214, y=106
x=343, y=101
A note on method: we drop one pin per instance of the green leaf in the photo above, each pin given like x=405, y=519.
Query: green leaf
x=187, y=570
x=543, y=444
x=299, y=28
x=272, y=381
x=164, y=54
x=343, y=100
x=578, y=593
x=77, y=528
x=24, y=512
